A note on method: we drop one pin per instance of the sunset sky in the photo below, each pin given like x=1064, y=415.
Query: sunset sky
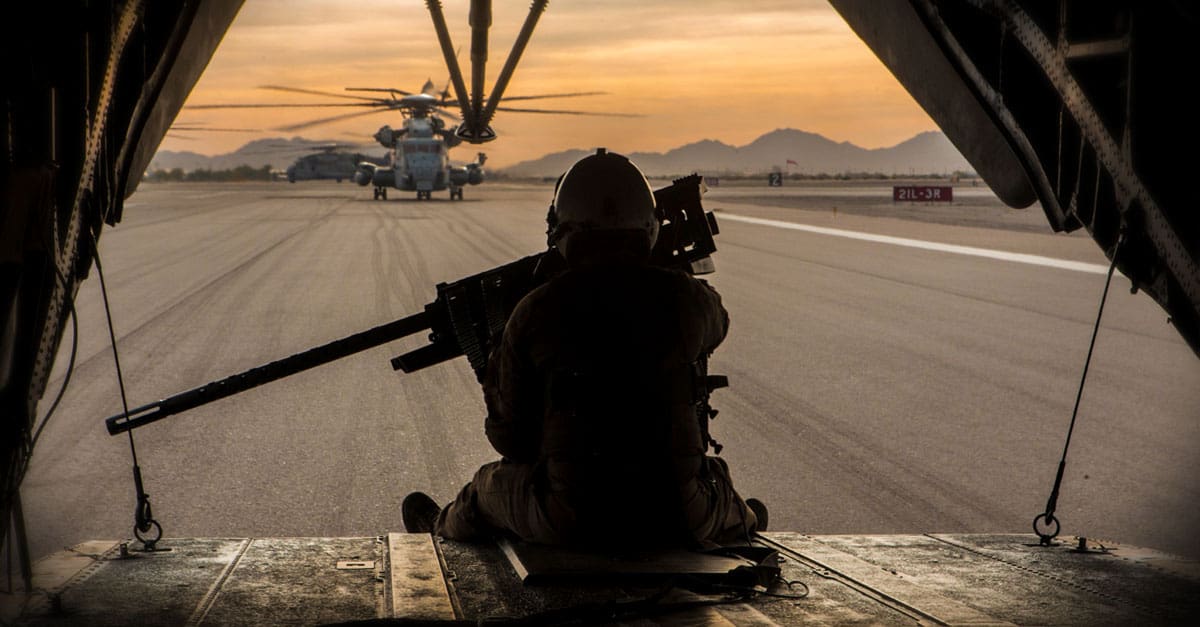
x=727, y=70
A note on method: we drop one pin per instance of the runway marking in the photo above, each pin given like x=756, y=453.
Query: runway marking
x=1037, y=260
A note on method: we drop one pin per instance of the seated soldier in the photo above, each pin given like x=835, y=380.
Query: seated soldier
x=592, y=392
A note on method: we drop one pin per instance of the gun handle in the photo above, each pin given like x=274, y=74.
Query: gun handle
x=425, y=357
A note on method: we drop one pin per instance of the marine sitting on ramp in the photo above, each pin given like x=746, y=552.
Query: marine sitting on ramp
x=592, y=393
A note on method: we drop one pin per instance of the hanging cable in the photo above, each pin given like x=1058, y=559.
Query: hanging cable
x=66, y=286
x=66, y=379
x=1047, y=521
x=143, y=516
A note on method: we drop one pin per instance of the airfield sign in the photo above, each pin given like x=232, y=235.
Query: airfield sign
x=922, y=193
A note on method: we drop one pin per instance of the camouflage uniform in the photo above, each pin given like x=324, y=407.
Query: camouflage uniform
x=590, y=399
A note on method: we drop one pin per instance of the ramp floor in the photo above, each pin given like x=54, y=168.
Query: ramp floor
x=1002, y=579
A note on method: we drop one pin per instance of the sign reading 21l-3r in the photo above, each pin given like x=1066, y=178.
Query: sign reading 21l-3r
x=922, y=193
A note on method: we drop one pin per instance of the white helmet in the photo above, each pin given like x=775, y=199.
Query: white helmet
x=602, y=192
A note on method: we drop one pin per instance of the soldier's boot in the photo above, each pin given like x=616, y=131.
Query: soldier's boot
x=419, y=512
x=760, y=512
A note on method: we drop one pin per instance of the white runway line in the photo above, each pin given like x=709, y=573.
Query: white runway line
x=1037, y=260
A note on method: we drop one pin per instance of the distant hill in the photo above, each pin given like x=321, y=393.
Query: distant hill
x=276, y=152
x=926, y=153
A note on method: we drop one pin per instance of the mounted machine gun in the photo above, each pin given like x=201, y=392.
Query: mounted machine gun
x=468, y=315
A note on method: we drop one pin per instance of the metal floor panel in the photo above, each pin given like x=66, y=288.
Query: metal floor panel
x=943, y=579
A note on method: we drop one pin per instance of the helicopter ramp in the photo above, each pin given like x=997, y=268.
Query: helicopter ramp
x=943, y=579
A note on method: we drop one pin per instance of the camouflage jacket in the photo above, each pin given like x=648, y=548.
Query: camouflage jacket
x=594, y=379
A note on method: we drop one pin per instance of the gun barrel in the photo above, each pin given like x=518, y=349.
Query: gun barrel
x=279, y=369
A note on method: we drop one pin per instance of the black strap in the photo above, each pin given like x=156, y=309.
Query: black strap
x=1045, y=525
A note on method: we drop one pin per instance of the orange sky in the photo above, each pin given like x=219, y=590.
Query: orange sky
x=727, y=70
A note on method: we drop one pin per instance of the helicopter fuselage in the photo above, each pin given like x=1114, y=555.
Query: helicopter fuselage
x=323, y=166
x=421, y=164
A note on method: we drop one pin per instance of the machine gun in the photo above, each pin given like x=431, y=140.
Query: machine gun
x=468, y=315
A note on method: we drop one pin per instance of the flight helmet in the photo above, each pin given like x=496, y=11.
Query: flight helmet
x=601, y=192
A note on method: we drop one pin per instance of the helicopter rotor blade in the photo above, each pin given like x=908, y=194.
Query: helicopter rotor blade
x=444, y=96
x=570, y=95
x=443, y=34
x=510, y=64
x=335, y=118
x=279, y=149
x=200, y=127
x=480, y=20
x=389, y=90
x=449, y=114
x=297, y=90
x=609, y=114
x=286, y=106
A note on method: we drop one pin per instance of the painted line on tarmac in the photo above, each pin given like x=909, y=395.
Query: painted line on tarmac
x=1037, y=260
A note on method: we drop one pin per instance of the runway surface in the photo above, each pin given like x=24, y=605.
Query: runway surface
x=875, y=387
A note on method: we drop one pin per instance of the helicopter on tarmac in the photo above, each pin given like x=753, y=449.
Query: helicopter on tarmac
x=329, y=162
x=419, y=150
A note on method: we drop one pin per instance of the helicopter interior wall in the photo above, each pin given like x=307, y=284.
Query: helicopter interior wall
x=90, y=89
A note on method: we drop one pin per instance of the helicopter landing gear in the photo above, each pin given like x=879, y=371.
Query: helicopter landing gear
x=456, y=193
x=380, y=193
x=423, y=195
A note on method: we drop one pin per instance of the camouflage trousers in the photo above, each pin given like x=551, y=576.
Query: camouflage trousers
x=504, y=497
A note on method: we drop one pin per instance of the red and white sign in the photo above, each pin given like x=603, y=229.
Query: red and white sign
x=922, y=193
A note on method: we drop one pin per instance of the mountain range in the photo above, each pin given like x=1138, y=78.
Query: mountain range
x=276, y=152
x=786, y=149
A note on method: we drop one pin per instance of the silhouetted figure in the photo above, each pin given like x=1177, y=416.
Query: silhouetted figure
x=592, y=392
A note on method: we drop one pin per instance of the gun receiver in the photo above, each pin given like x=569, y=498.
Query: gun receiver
x=468, y=315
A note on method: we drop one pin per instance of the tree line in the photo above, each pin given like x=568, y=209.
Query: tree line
x=240, y=173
